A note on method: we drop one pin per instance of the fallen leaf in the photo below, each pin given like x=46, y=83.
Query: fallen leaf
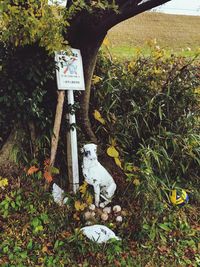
x=3, y=182
x=98, y=117
x=163, y=249
x=118, y=162
x=46, y=162
x=112, y=152
x=45, y=249
x=32, y=170
x=79, y=206
x=65, y=234
x=48, y=177
x=88, y=198
x=96, y=79
x=83, y=187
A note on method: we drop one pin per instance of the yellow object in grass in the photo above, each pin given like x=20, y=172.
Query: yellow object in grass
x=178, y=197
x=98, y=117
x=112, y=152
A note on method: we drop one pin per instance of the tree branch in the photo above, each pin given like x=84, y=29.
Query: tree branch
x=127, y=10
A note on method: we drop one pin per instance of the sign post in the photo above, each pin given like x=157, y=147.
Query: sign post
x=72, y=151
x=70, y=77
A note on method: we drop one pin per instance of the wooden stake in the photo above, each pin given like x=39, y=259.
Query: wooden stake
x=56, y=127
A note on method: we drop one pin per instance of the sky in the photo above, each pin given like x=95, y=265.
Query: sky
x=184, y=7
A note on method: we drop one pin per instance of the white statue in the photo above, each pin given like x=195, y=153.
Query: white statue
x=58, y=195
x=97, y=176
x=99, y=233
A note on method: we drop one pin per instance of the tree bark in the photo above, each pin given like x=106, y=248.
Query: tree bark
x=8, y=158
x=5, y=153
x=80, y=36
x=89, y=54
x=56, y=128
x=32, y=131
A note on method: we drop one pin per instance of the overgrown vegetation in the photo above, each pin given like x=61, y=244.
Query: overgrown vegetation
x=148, y=111
x=152, y=113
x=35, y=231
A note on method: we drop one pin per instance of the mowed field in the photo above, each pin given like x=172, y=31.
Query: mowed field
x=175, y=33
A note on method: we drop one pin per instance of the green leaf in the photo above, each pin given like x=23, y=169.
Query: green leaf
x=164, y=227
x=30, y=244
x=146, y=226
x=55, y=170
x=35, y=222
x=160, y=112
x=13, y=204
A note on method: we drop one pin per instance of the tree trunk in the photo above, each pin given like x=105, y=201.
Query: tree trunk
x=7, y=156
x=5, y=153
x=33, y=136
x=56, y=127
x=89, y=55
x=89, y=45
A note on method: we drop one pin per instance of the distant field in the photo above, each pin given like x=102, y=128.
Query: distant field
x=175, y=33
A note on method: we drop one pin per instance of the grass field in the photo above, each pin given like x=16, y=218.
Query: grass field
x=176, y=33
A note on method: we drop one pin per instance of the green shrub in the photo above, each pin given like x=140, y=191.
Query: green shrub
x=26, y=76
x=151, y=109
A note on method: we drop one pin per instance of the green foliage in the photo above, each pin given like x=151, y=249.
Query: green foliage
x=28, y=94
x=37, y=22
x=29, y=22
x=12, y=202
x=152, y=112
x=36, y=231
x=151, y=109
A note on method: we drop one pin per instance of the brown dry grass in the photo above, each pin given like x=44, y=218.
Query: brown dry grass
x=171, y=31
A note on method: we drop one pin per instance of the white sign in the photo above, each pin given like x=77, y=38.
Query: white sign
x=69, y=70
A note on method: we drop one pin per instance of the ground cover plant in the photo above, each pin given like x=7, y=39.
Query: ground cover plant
x=145, y=113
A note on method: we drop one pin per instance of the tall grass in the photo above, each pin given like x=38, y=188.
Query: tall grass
x=151, y=108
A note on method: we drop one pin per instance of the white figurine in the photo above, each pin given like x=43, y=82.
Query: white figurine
x=57, y=193
x=99, y=233
x=97, y=176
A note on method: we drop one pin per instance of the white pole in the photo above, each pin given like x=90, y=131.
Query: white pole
x=72, y=144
